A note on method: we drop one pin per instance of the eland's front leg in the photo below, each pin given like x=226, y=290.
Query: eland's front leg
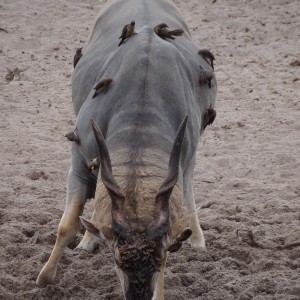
x=78, y=192
x=159, y=289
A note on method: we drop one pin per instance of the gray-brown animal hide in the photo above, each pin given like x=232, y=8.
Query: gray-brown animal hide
x=155, y=86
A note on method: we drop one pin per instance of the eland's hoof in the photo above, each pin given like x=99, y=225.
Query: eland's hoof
x=87, y=245
x=45, y=278
x=198, y=245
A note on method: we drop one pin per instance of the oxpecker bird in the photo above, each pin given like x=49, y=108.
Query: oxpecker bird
x=94, y=164
x=207, y=55
x=127, y=32
x=77, y=56
x=162, y=31
x=206, y=77
x=102, y=86
x=208, y=117
x=73, y=137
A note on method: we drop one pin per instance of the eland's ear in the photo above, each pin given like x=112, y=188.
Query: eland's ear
x=177, y=228
x=179, y=233
x=185, y=234
x=103, y=232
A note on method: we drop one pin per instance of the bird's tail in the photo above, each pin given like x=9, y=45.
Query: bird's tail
x=95, y=94
x=176, y=32
x=170, y=37
x=121, y=43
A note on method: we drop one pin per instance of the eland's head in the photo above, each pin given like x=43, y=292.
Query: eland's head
x=140, y=256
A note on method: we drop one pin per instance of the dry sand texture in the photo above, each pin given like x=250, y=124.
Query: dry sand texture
x=248, y=170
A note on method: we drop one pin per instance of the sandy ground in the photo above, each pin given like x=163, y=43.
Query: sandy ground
x=247, y=182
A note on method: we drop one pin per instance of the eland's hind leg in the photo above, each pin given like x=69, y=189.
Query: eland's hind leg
x=197, y=239
x=78, y=192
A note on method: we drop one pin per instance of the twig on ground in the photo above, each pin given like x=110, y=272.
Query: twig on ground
x=3, y=29
x=289, y=245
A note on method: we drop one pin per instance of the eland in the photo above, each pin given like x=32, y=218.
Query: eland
x=140, y=134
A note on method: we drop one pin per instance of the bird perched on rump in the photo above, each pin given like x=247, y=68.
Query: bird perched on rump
x=102, y=86
x=127, y=32
x=162, y=31
x=207, y=55
x=77, y=56
x=208, y=117
x=206, y=77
